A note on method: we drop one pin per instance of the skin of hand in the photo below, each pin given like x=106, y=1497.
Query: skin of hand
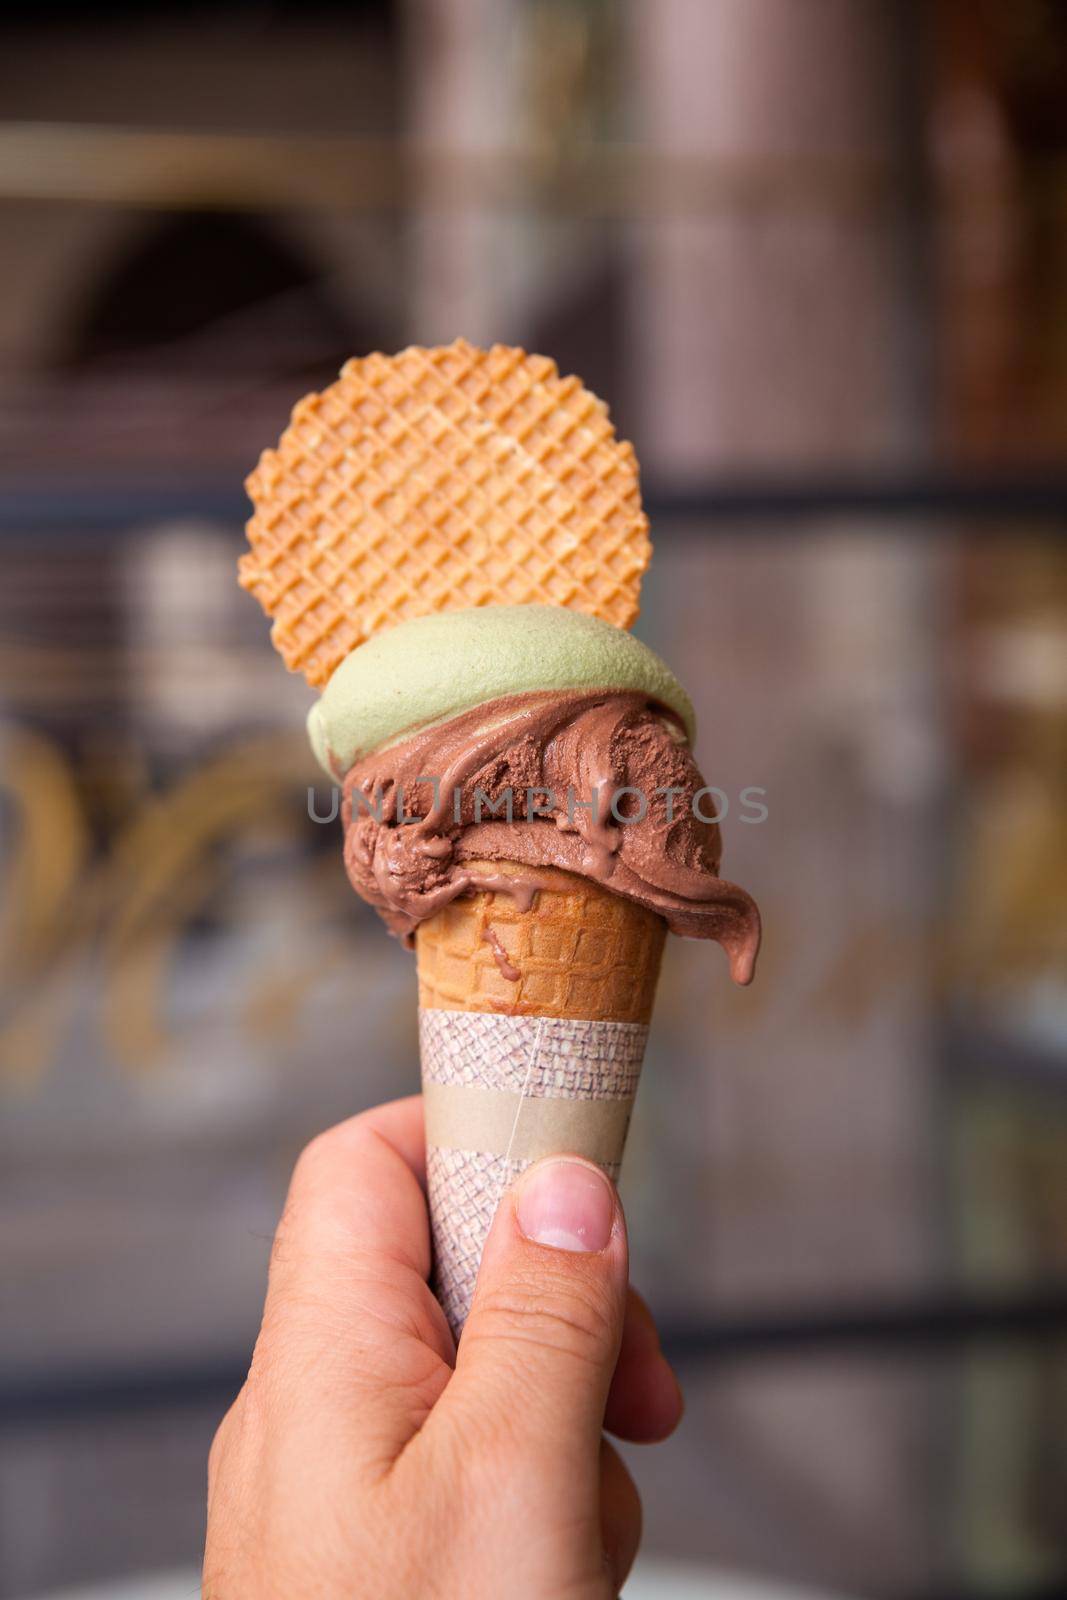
x=365, y=1456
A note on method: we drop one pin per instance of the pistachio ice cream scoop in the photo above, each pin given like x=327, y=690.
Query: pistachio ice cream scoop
x=427, y=670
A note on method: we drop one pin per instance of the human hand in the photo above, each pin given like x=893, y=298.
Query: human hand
x=365, y=1457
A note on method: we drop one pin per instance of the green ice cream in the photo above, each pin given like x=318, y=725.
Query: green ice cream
x=433, y=668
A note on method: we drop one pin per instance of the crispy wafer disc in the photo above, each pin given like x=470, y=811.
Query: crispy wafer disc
x=434, y=480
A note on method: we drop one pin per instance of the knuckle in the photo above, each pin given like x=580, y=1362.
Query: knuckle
x=273, y=1360
x=230, y=1425
x=309, y=1177
x=305, y=1219
x=315, y=1172
x=310, y=1159
x=279, y=1248
x=219, y=1446
x=558, y=1317
x=339, y=1140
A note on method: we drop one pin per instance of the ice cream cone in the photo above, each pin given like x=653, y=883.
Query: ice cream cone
x=532, y=1029
x=450, y=544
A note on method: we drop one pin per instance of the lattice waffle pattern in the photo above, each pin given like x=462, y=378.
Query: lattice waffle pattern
x=580, y=952
x=435, y=480
x=464, y=1188
x=574, y=1059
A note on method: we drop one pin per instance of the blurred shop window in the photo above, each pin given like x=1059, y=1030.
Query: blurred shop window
x=185, y=349
x=584, y=327
x=199, y=665
x=998, y=141
x=214, y=291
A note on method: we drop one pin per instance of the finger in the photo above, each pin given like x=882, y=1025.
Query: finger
x=620, y=1515
x=644, y=1402
x=400, y=1123
x=543, y=1334
x=355, y=1187
x=350, y=1324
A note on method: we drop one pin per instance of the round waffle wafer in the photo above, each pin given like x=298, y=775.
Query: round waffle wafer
x=440, y=479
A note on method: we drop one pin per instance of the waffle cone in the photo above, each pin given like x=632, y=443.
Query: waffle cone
x=532, y=1028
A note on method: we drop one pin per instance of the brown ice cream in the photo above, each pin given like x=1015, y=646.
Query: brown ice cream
x=599, y=784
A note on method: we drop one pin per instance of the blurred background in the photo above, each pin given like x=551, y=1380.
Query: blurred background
x=815, y=257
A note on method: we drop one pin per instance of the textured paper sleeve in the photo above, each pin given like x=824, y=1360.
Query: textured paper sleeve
x=501, y=1092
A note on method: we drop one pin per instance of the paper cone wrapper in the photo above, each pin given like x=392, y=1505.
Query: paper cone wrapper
x=532, y=1029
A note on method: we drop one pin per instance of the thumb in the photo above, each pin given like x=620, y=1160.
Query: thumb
x=543, y=1335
